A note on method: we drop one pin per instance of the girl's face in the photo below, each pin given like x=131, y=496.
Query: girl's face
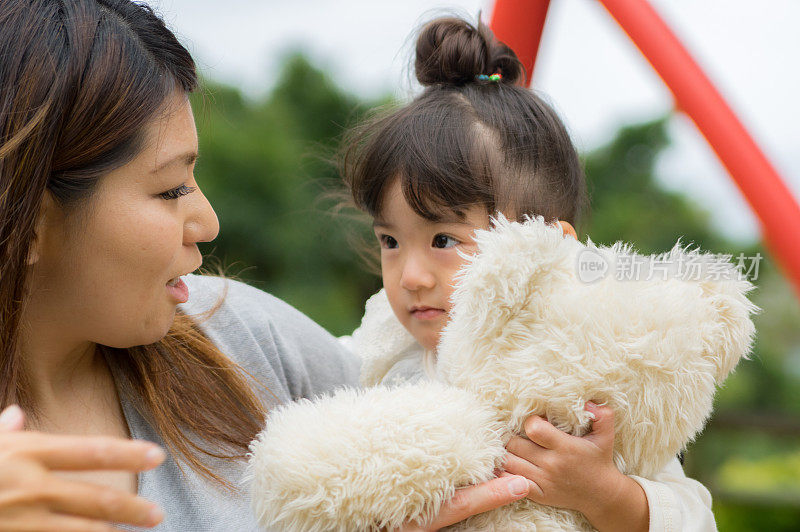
x=419, y=259
x=104, y=278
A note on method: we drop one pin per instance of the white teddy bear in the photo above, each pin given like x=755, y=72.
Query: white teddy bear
x=529, y=333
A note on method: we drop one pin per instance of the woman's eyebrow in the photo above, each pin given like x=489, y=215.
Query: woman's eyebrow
x=188, y=159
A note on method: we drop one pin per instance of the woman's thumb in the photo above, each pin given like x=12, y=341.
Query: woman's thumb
x=11, y=419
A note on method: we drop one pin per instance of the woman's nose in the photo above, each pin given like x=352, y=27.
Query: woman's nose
x=416, y=275
x=202, y=224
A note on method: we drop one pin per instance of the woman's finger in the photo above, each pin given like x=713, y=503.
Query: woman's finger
x=83, y=499
x=54, y=523
x=82, y=453
x=480, y=498
x=11, y=419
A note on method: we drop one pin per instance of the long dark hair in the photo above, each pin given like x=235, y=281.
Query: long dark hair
x=466, y=140
x=79, y=81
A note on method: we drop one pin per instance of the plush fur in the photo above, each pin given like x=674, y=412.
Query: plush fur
x=526, y=336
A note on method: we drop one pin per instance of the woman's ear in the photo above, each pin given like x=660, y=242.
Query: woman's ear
x=567, y=228
x=45, y=213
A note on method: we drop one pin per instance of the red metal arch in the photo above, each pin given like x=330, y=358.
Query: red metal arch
x=519, y=23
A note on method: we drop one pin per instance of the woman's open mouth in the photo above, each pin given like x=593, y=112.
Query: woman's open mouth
x=178, y=290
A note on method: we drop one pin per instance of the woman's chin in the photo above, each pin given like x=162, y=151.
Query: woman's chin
x=152, y=331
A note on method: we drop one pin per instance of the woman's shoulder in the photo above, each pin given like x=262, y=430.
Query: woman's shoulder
x=231, y=302
x=255, y=329
x=206, y=291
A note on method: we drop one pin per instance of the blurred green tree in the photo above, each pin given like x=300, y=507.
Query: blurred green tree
x=265, y=167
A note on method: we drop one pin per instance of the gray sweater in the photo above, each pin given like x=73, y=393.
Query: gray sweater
x=293, y=356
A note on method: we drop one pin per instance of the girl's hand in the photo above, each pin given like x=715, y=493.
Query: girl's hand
x=475, y=500
x=579, y=472
x=33, y=498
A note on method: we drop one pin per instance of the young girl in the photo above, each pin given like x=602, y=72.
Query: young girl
x=476, y=142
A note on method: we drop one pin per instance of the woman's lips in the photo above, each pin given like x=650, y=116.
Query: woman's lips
x=178, y=290
x=426, y=313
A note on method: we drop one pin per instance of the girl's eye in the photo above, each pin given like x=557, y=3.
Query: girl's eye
x=176, y=193
x=388, y=242
x=444, y=241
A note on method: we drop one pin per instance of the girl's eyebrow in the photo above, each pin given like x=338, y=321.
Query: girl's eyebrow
x=377, y=222
x=453, y=219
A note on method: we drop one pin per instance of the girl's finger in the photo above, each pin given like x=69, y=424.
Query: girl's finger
x=525, y=449
x=83, y=499
x=518, y=466
x=480, y=498
x=535, y=491
x=81, y=453
x=540, y=431
x=603, y=425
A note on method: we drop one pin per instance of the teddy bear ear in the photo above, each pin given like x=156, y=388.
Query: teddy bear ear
x=724, y=288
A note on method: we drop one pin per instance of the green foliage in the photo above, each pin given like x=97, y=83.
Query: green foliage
x=260, y=167
x=772, y=474
x=749, y=516
x=629, y=205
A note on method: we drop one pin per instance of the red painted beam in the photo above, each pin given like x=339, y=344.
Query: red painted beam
x=519, y=24
x=762, y=187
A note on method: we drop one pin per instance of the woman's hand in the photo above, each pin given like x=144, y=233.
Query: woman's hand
x=475, y=500
x=33, y=498
x=579, y=472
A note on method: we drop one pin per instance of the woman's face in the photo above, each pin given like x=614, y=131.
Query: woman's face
x=103, y=275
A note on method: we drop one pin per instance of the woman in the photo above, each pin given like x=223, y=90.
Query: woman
x=100, y=218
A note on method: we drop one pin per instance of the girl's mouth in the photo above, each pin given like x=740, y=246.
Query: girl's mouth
x=426, y=313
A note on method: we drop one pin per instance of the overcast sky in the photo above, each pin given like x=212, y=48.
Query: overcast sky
x=587, y=66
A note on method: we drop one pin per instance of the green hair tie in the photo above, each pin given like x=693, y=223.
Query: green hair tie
x=494, y=77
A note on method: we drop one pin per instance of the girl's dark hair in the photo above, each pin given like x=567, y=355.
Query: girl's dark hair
x=466, y=141
x=79, y=82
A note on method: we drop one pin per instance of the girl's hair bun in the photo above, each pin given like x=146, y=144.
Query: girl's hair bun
x=453, y=51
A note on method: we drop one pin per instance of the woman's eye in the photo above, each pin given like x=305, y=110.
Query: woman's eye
x=444, y=241
x=177, y=192
x=388, y=242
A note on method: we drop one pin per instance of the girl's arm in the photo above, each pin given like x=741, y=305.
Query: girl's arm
x=579, y=473
x=677, y=502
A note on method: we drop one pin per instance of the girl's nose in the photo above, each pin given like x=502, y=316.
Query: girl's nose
x=416, y=275
x=202, y=224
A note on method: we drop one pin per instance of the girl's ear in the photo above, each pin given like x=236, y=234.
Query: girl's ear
x=567, y=228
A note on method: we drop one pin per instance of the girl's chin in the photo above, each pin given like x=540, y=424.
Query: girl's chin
x=427, y=337
x=428, y=344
